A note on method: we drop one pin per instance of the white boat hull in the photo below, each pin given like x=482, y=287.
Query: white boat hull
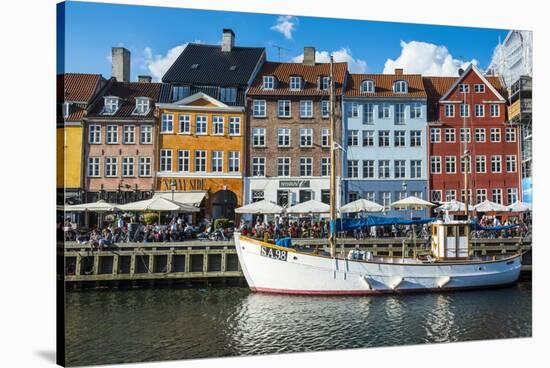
x=300, y=273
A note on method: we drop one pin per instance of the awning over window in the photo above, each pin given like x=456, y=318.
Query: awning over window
x=189, y=198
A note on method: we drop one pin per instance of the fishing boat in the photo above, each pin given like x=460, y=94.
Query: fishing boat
x=448, y=265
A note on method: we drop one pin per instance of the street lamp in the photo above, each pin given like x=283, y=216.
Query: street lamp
x=173, y=186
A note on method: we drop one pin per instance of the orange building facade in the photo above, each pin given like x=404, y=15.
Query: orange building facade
x=201, y=151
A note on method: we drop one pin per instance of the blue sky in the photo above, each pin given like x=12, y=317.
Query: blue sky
x=156, y=35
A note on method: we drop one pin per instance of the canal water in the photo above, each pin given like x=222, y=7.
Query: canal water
x=133, y=325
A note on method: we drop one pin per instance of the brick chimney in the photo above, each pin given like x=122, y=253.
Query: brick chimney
x=398, y=71
x=228, y=40
x=144, y=79
x=121, y=64
x=309, y=56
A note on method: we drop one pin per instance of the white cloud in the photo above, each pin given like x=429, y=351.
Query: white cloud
x=344, y=54
x=286, y=24
x=159, y=64
x=426, y=58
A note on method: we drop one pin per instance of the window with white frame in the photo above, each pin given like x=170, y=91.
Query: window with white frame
x=146, y=134
x=480, y=135
x=185, y=124
x=180, y=92
x=463, y=195
x=435, y=135
x=479, y=110
x=450, y=135
x=399, y=169
x=464, y=110
x=234, y=161
x=465, y=163
x=367, y=86
x=216, y=161
x=165, y=160
x=400, y=113
x=353, y=168
x=353, y=110
x=284, y=107
x=142, y=106
x=228, y=94
x=400, y=86
x=435, y=164
x=306, y=166
x=111, y=166
x=325, y=166
x=112, y=134
x=386, y=199
x=184, y=160
x=383, y=138
x=145, y=166
x=234, y=125
x=217, y=125
x=368, y=113
x=306, y=137
x=511, y=163
x=325, y=108
x=128, y=136
x=495, y=135
x=368, y=138
x=463, y=88
x=306, y=109
x=449, y=110
x=384, y=169
x=465, y=136
x=496, y=164
x=479, y=88
x=128, y=166
x=481, y=195
x=416, y=110
x=384, y=111
x=258, y=166
x=295, y=83
x=94, y=134
x=167, y=123
x=259, y=108
x=324, y=82
x=201, y=125
x=368, y=169
x=268, y=82
x=200, y=161
x=283, y=166
x=369, y=196
x=494, y=110
x=352, y=196
x=436, y=195
x=325, y=137
x=399, y=138
x=416, y=169
x=110, y=105
x=93, y=167
x=353, y=137
x=512, y=195
x=450, y=195
x=450, y=164
x=481, y=165
x=416, y=138
x=283, y=137
x=510, y=134
x=497, y=196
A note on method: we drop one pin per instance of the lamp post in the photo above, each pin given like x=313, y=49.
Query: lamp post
x=173, y=187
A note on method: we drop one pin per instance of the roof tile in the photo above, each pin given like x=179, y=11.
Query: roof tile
x=383, y=85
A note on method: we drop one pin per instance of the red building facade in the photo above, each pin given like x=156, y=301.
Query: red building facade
x=469, y=115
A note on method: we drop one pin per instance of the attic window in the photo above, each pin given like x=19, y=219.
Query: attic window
x=324, y=82
x=180, y=92
x=110, y=105
x=142, y=106
x=268, y=82
x=233, y=68
x=400, y=86
x=195, y=66
x=296, y=83
x=367, y=86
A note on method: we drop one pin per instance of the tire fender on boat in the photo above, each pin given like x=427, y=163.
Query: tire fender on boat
x=442, y=281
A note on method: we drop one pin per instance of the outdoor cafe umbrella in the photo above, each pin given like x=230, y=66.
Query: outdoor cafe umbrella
x=158, y=204
x=99, y=207
x=454, y=206
x=311, y=206
x=412, y=202
x=361, y=205
x=260, y=208
x=519, y=207
x=488, y=206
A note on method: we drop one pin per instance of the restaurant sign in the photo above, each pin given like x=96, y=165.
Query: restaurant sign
x=294, y=184
x=182, y=184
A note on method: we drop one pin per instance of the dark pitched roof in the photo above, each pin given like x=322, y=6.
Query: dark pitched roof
x=383, y=85
x=214, y=66
x=127, y=92
x=309, y=73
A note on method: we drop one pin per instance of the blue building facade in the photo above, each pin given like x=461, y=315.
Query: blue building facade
x=384, y=140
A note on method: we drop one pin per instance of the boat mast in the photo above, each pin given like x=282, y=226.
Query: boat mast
x=466, y=157
x=332, y=234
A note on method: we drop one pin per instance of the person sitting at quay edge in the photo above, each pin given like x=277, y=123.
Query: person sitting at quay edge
x=107, y=239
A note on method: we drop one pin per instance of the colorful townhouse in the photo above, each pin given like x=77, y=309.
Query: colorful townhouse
x=385, y=149
x=201, y=157
x=468, y=130
x=120, y=137
x=75, y=92
x=288, y=131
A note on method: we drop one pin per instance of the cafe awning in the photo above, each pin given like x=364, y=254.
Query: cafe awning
x=188, y=198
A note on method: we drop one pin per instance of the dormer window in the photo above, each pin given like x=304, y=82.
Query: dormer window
x=180, y=92
x=324, y=83
x=367, y=86
x=269, y=82
x=66, y=109
x=142, y=106
x=110, y=105
x=400, y=86
x=228, y=94
x=296, y=83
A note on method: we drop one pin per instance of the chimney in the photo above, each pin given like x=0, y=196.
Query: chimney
x=460, y=71
x=309, y=56
x=228, y=40
x=398, y=71
x=144, y=78
x=121, y=64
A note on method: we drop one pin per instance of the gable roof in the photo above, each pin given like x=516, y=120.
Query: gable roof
x=214, y=66
x=309, y=73
x=77, y=87
x=473, y=68
x=383, y=85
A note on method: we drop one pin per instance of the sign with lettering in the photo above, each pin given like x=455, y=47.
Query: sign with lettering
x=182, y=184
x=294, y=183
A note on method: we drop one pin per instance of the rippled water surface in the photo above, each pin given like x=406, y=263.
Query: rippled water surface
x=115, y=326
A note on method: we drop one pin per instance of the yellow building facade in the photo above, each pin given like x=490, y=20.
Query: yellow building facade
x=69, y=157
x=201, y=150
